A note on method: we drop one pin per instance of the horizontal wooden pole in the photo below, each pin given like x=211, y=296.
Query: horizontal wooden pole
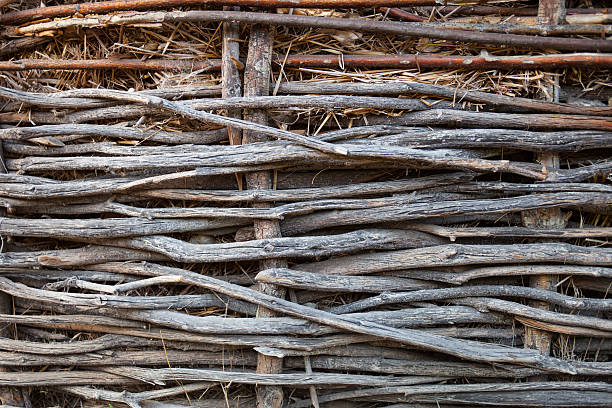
x=350, y=24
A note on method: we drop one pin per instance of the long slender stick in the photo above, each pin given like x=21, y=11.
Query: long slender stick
x=158, y=102
x=404, y=61
x=461, y=348
x=352, y=24
x=112, y=6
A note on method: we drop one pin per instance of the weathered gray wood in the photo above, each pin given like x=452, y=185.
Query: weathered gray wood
x=456, y=254
x=223, y=216
x=46, y=188
x=459, y=277
x=84, y=346
x=456, y=94
x=150, y=357
x=128, y=302
x=335, y=283
x=62, y=378
x=307, y=194
x=579, y=173
x=305, y=223
x=475, y=138
x=63, y=100
x=104, y=131
x=80, y=256
x=277, y=153
x=155, y=101
x=582, y=398
x=478, y=291
x=231, y=81
x=518, y=188
x=160, y=376
x=107, y=227
x=468, y=119
x=189, y=341
x=512, y=394
x=453, y=233
x=44, y=275
x=539, y=314
x=135, y=399
x=471, y=350
x=275, y=248
x=414, y=367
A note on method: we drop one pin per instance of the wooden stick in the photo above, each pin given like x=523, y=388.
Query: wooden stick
x=402, y=14
x=257, y=83
x=454, y=233
x=276, y=248
x=112, y=6
x=504, y=306
x=481, y=62
x=512, y=270
x=160, y=376
x=136, y=64
x=230, y=72
x=549, y=12
x=9, y=396
x=62, y=100
x=349, y=24
x=105, y=228
x=150, y=357
x=539, y=394
x=413, y=211
x=212, y=160
x=405, y=61
x=307, y=194
x=158, y=102
x=63, y=378
x=117, y=132
x=467, y=10
x=478, y=291
x=47, y=189
x=464, y=349
x=334, y=283
x=456, y=254
x=134, y=399
x=455, y=94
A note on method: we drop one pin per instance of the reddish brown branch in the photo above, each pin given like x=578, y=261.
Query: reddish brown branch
x=402, y=15
x=582, y=60
x=451, y=61
x=153, y=64
x=102, y=7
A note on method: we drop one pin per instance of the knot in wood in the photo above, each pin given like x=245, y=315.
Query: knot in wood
x=268, y=247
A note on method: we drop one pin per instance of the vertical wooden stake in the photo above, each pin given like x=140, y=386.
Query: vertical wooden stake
x=257, y=83
x=8, y=396
x=549, y=12
x=230, y=77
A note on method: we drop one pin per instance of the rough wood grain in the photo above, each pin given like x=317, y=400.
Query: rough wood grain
x=257, y=83
x=456, y=254
x=461, y=348
x=555, y=298
x=363, y=25
x=277, y=248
